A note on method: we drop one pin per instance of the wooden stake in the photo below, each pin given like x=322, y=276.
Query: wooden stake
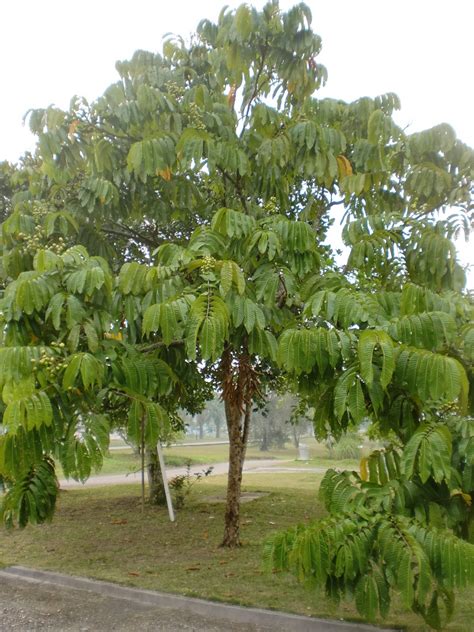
x=165, y=482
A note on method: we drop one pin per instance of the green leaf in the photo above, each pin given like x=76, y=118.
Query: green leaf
x=226, y=276
x=428, y=453
x=243, y=22
x=369, y=340
x=30, y=410
x=55, y=308
x=91, y=335
x=297, y=350
x=367, y=597
x=132, y=278
x=89, y=367
x=232, y=223
x=32, y=498
x=207, y=325
x=356, y=402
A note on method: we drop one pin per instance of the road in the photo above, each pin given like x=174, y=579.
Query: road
x=30, y=607
x=33, y=600
x=252, y=466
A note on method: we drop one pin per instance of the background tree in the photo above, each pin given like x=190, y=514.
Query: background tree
x=278, y=420
x=209, y=420
x=216, y=415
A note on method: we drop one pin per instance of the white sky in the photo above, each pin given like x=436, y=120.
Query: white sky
x=423, y=50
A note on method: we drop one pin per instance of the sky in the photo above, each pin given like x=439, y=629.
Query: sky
x=423, y=50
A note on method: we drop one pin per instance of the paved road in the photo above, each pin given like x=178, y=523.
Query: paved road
x=257, y=466
x=30, y=608
x=32, y=600
x=124, y=446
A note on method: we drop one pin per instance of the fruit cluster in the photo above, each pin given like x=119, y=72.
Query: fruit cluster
x=195, y=117
x=38, y=240
x=176, y=91
x=51, y=364
x=271, y=207
x=209, y=264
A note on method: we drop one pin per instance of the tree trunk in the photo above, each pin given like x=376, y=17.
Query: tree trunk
x=264, y=441
x=296, y=436
x=201, y=428
x=237, y=425
x=239, y=384
x=156, y=489
x=218, y=428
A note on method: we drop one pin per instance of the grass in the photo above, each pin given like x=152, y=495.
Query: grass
x=102, y=533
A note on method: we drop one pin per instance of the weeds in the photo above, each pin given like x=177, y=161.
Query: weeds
x=183, y=484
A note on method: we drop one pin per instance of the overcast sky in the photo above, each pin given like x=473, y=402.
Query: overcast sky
x=423, y=50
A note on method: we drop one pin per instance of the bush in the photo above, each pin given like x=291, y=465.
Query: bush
x=348, y=447
x=182, y=484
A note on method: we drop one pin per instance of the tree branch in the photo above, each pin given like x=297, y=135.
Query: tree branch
x=237, y=186
x=255, y=90
x=129, y=233
x=335, y=203
x=159, y=345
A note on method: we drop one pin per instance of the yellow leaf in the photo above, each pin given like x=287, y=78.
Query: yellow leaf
x=112, y=336
x=364, y=472
x=231, y=96
x=72, y=128
x=165, y=174
x=344, y=166
x=466, y=497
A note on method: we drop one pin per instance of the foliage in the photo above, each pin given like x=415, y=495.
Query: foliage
x=393, y=527
x=58, y=371
x=348, y=446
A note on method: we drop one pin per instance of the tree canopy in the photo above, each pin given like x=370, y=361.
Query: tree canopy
x=173, y=234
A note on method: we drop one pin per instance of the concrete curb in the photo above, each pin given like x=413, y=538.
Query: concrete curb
x=218, y=611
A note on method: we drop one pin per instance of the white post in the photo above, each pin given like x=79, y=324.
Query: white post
x=165, y=481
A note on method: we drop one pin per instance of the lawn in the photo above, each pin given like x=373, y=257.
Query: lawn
x=102, y=533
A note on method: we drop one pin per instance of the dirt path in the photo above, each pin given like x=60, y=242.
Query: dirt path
x=257, y=466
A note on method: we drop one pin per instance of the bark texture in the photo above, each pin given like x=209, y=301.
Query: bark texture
x=237, y=448
x=156, y=489
x=239, y=384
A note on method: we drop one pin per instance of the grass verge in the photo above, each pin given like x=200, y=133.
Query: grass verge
x=101, y=533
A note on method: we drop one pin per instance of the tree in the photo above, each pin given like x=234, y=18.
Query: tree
x=209, y=419
x=215, y=414
x=213, y=170
x=276, y=419
x=144, y=146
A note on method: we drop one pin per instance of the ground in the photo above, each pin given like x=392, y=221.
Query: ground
x=27, y=609
x=41, y=600
x=101, y=533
